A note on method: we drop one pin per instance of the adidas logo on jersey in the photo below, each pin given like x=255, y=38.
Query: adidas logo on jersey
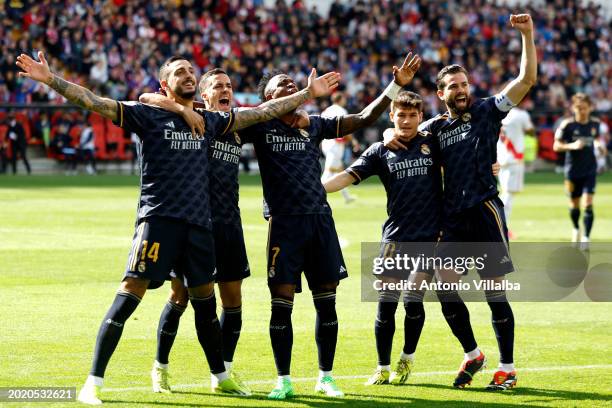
x=342, y=269
x=505, y=259
x=170, y=125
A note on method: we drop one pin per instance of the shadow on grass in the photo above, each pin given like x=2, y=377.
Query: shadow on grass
x=549, y=394
x=351, y=400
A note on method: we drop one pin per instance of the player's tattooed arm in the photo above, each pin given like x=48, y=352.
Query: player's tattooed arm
x=274, y=108
x=83, y=97
x=402, y=76
x=518, y=88
x=193, y=119
x=338, y=182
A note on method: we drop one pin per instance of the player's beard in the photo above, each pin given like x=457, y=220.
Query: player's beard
x=184, y=95
x=452, y=106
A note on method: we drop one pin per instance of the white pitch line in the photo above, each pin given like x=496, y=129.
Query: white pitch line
x=355, y=377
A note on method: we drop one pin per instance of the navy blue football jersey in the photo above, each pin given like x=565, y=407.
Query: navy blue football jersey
x=224, y=154
x=289, y=164
x=174, y=162
x=468, y=146
x=579, y=163
x=413, y=182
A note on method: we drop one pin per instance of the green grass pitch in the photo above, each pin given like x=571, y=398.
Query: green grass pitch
x=64, y=243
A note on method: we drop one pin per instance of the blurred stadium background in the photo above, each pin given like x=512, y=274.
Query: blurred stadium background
x=115, y=48
x=63, y=240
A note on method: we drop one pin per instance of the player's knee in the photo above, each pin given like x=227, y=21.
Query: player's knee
x=178, y=293
x=588, y=209
x=326, y=287
x=231, y=294
x=285, y=291
x=202, y=291
x=135, y=286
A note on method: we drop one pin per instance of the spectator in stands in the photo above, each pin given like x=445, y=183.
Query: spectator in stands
x=17, y=137
x=62, y=145
x=87, y=148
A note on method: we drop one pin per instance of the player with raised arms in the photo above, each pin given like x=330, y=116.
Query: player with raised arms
x=232, y=264
x=174, y=222
x=468, y=133
x=413, y=183
x=302, y=235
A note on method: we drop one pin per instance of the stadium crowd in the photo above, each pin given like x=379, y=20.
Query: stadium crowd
x=115, y=47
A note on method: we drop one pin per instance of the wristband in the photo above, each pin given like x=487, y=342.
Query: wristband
x=392, y=90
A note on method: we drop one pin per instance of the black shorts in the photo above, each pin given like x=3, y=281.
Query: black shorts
x=576, y=186
x=413, y=257
x=306, y=243
x=161, y=244
x=484, y=227
x=230, y=253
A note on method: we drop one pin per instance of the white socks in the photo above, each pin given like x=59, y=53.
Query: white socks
x=506, y=368
x=470, y=355
x=157, y=364
x=93, y=380
x=407, y=357
x=384, y=368
x=324, y=374
x=222, y=376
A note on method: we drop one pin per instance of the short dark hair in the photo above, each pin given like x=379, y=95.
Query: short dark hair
x=208, y=74
x=337, y=97
x=581, y=97
x=407, y=100
x=448, y=70
x=163, y=70
x=263, y=82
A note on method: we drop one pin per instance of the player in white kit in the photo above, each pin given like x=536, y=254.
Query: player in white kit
x=510, y=152
x=333, y=149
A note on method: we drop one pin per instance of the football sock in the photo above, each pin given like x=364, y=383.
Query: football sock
x=588, y=219
x=575, y=216
x=281, y=333
x=506, y=368
x=503, y=324
x=326, y=327
x=323, y=374
x=110, y=330
x=209, y=331
x=231, y=324
x=458, y=318
x=406, y=357
x=166, y=330
x=414, y=319
x=386, y=367
x=470, y=355
x=384, y=326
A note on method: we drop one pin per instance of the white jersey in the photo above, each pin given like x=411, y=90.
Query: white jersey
x=511, y=144
x=333, y=149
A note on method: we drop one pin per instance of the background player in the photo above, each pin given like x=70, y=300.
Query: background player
x=510, y=155
x=173, y=226
x=468, y=133
x=578, y=137
x=334, y=149
x=302, y=235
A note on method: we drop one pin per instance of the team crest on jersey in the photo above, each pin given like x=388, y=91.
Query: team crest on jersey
x=141, y=267
x=236, y=137
x=466, y=117
x=425, y=149
x=304, y=133
x=271, y=272
x=593, y=132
